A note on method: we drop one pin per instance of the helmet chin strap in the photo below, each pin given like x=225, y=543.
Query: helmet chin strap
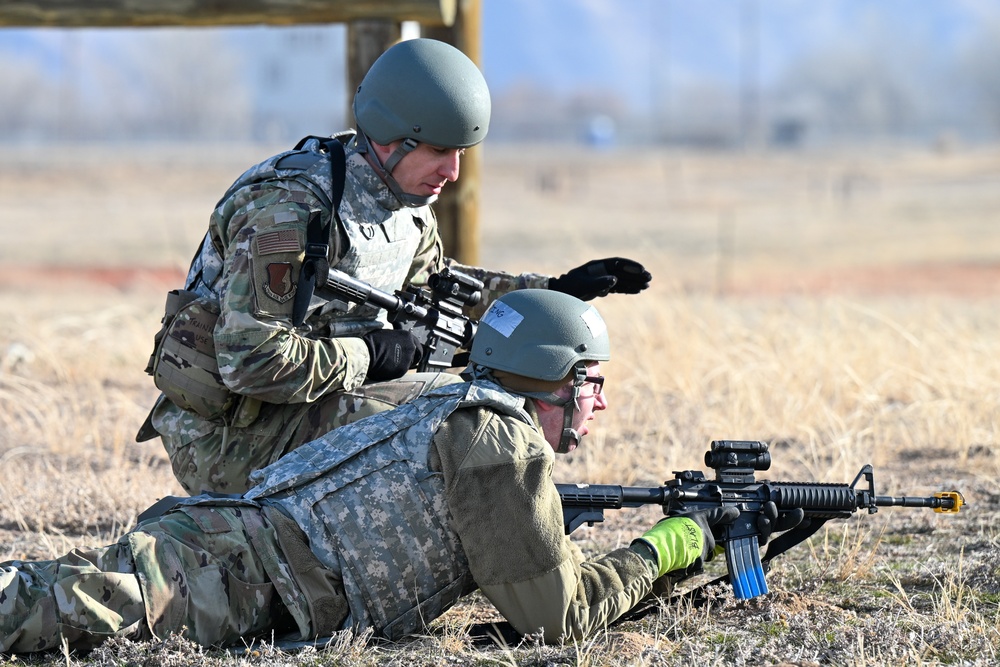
x=570, y=404
x=385, y=172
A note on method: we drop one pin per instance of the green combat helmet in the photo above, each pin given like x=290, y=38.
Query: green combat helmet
x=544, y=335
x=421, y=90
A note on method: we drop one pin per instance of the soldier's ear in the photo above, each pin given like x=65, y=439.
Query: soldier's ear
x=543, y=406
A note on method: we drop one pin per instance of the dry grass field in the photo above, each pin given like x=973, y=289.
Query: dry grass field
x=843, y=307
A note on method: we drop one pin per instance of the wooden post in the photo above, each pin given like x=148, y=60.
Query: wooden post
x=366, y=41
x=458, y=207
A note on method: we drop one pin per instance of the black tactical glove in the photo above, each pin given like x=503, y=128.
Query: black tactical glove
x=599, y=277
x=392, y=353
x=771, y=521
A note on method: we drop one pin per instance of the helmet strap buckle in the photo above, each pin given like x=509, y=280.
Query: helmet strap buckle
x=404, y=149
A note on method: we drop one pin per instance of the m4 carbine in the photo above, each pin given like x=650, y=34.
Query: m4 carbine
x=734, y=485
x=434, y=316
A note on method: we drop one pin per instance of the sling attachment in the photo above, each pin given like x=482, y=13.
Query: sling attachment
x=316, y=264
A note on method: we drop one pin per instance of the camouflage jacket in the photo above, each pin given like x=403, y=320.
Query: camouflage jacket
x=250, y=260
x=414, y=507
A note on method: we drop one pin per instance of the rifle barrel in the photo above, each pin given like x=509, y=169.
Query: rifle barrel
x=357, y=291
x=906, y=501
x=946, y=502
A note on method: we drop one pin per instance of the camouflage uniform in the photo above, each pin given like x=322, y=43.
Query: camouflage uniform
x=194, y=571
x=296, y=384
x=380, y=524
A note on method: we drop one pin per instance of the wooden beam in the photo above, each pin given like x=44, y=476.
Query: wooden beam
x=458, y=207
x=366, y=41
x=136, y=13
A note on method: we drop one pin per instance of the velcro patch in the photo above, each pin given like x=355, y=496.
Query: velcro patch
x=279, y=285
x=284, y=240
x=594, y=322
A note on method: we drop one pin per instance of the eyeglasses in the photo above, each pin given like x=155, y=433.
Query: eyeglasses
x=597, y=381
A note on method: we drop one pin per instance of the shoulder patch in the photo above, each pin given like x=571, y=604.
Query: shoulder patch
x=279, y=285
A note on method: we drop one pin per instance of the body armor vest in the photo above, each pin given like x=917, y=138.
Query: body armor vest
x=378, y=252
x=376, y=515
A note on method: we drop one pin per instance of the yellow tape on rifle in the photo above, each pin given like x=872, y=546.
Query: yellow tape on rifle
x=957, y=500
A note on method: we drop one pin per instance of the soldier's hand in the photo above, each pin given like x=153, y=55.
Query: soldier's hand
x=392, y=352
x=770, y=520
x=711, y=522
x=688, y=541
x=599, y=277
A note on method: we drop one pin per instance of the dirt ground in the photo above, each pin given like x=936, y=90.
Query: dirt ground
x=864, y=222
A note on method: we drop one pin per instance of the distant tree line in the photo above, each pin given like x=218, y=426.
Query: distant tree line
x=851, y=93
x=194, y=85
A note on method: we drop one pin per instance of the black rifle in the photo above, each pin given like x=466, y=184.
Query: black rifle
x=734, y=485
x=434, y=316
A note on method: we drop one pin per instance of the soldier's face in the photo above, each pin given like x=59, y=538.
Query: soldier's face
x=591, y=401
x=426, y=169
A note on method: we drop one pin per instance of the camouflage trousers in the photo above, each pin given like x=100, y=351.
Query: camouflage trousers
x=212, y=457
x=191, y=571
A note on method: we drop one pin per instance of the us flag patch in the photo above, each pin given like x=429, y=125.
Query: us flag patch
x=286, y=240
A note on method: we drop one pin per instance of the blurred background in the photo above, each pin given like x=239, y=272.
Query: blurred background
x=718, y=74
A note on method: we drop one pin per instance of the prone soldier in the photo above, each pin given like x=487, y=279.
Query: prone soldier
x=384, y=523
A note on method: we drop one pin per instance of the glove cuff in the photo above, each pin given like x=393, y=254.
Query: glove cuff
x=647, y=552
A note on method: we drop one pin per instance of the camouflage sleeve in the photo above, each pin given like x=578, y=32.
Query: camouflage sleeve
x=497, y=283
x=260, y=354
x=518, y=554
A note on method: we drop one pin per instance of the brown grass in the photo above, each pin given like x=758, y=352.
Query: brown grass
x=842, y=307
